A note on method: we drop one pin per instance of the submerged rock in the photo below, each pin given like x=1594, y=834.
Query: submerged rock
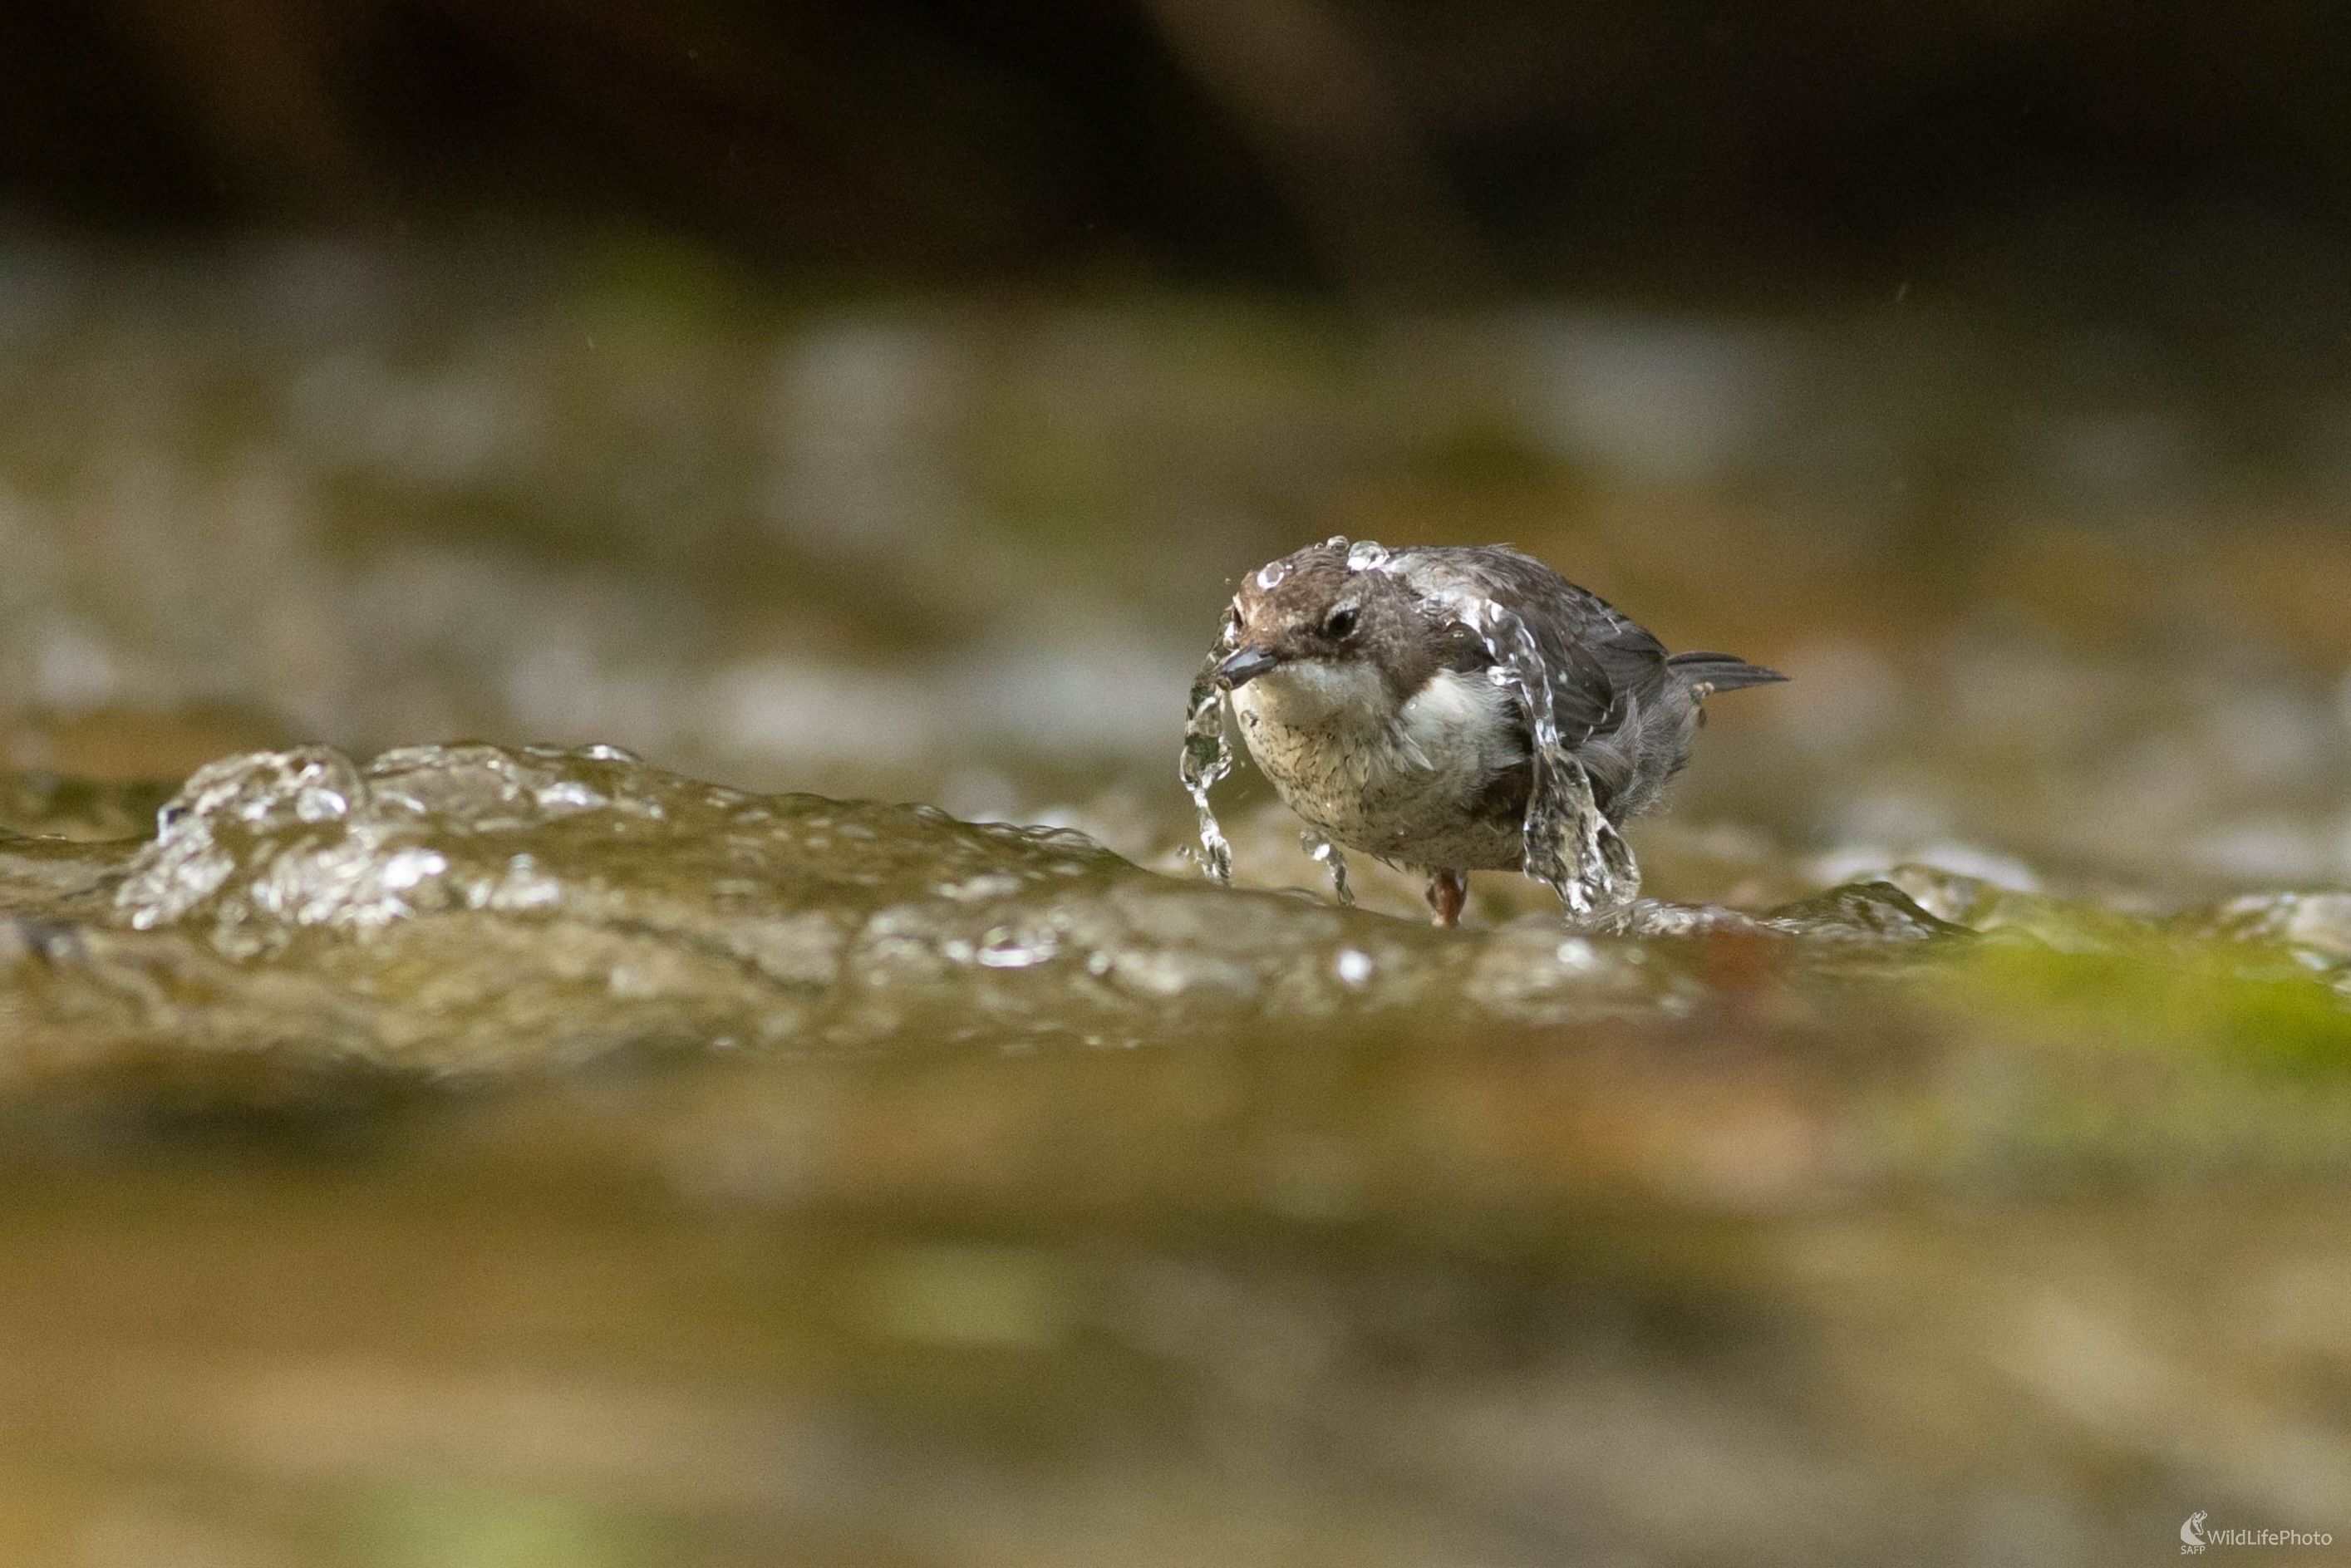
x=467, y=909
x=470, y=907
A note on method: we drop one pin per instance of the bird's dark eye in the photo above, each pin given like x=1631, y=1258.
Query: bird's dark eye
x=1342, y=621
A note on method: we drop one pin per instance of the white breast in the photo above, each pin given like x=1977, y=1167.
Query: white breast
x=1460, y=722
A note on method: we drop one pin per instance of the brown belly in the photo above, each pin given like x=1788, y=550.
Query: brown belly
x=1365, y=795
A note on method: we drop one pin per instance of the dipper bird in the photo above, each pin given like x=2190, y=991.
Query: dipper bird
x=1395, y=697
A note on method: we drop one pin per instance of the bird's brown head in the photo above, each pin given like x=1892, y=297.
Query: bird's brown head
x=1310, y=607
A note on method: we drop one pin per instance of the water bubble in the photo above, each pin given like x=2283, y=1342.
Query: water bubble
x=316, y=805
x=523, y=886
x=411, y=866
x=1365, y=555
x=570, y=794
x=979, y=889
x=1354, y=966
x=1002, y=949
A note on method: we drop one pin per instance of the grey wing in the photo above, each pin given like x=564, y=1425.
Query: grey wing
x=1603, y=664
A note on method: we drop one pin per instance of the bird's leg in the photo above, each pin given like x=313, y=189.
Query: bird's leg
x=1447, y=891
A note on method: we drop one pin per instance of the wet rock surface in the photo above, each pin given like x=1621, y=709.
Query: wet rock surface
x=958, y=1191
x=472, y=909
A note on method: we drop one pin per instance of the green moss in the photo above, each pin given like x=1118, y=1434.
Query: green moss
x=477, y=1527
x=2232, y=1002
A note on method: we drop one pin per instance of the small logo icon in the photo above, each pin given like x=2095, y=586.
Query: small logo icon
x=2191, y=1535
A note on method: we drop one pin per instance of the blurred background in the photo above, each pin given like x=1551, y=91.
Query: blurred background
x=880, y=399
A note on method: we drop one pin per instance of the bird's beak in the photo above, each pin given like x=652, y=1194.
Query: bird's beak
x=1244, y=667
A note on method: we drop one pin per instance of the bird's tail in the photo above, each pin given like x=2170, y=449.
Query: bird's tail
x=1719, y=671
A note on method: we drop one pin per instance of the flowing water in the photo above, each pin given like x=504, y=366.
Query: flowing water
x=851, y=1181
x=631, y=1140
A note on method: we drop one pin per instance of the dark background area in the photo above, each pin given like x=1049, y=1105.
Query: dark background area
x=2178, y=164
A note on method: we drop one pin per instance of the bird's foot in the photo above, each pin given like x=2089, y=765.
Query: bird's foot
x=1447, y=891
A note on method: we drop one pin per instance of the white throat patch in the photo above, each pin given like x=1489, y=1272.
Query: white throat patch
x=1306, y=694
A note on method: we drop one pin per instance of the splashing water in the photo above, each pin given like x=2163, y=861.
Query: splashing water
x=1208, y=757
x=1208, y=750
x=1323, y=849
x=1570, y=844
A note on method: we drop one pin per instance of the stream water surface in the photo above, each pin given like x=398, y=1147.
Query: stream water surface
x=533, y=1145
x=633, y=1139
